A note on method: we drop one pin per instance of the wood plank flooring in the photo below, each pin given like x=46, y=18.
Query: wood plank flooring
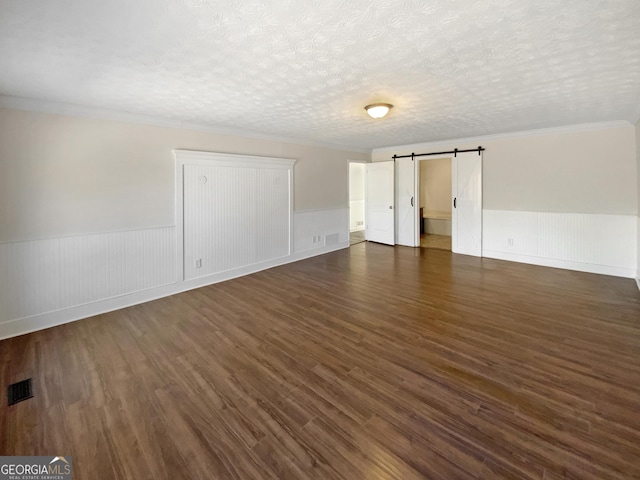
x=356, y=237
x=368, y=363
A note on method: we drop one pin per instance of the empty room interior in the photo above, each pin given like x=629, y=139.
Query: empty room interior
x=386, y=239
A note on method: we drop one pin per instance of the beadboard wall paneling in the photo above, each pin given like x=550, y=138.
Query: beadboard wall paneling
x=576, y=241
x=324, y=225
x=235, y=211
x=234, y=217
x=54, y=281
x=29, y=278
x=50, y=282
x=47, y=275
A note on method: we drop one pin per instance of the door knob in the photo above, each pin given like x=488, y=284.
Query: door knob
x=390, y=207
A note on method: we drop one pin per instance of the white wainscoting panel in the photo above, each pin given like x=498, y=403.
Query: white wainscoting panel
x=234, y=217
x=29, y=278
x=42, y=276
x=44, y=283
x=323, y=225
x=577, y=241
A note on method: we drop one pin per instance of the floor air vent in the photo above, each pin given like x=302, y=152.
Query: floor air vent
x=20, y=391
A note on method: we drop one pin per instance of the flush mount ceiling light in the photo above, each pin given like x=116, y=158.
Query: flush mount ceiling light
x=378, y=110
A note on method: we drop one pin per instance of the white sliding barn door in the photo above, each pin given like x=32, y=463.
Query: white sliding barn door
x=466, y=221
x=379, y=202
x=405, y=202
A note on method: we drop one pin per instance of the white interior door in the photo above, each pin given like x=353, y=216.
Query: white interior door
x=466, y=218
x=405, y=202
x=379, y=203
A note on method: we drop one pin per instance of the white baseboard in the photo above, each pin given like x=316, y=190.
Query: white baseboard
x=21, y=326
x=314, y=252
x=565, y=264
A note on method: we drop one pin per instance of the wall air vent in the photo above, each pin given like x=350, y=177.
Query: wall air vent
x=331, y=239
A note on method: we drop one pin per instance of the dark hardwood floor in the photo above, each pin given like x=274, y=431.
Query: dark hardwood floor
x=368, y=363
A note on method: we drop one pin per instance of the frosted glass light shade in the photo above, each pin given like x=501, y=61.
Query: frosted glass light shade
x=378, y=110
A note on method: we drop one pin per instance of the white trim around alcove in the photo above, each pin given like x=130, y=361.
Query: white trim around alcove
x=228, y=161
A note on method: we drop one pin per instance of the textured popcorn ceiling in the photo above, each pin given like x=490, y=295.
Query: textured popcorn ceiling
x=305, y=69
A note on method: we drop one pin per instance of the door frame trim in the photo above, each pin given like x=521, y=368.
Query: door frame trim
x=350, y=161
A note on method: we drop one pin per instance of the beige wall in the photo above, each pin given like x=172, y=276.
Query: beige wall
x=578, y=172
x=63, y=175
x=638, y=178
x=435, y=186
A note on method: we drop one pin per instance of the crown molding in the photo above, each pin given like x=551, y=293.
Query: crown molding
x=68, y=109
x=583, y=127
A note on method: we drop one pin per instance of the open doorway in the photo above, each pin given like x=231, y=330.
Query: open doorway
x=356, y=202
x=434, y=184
